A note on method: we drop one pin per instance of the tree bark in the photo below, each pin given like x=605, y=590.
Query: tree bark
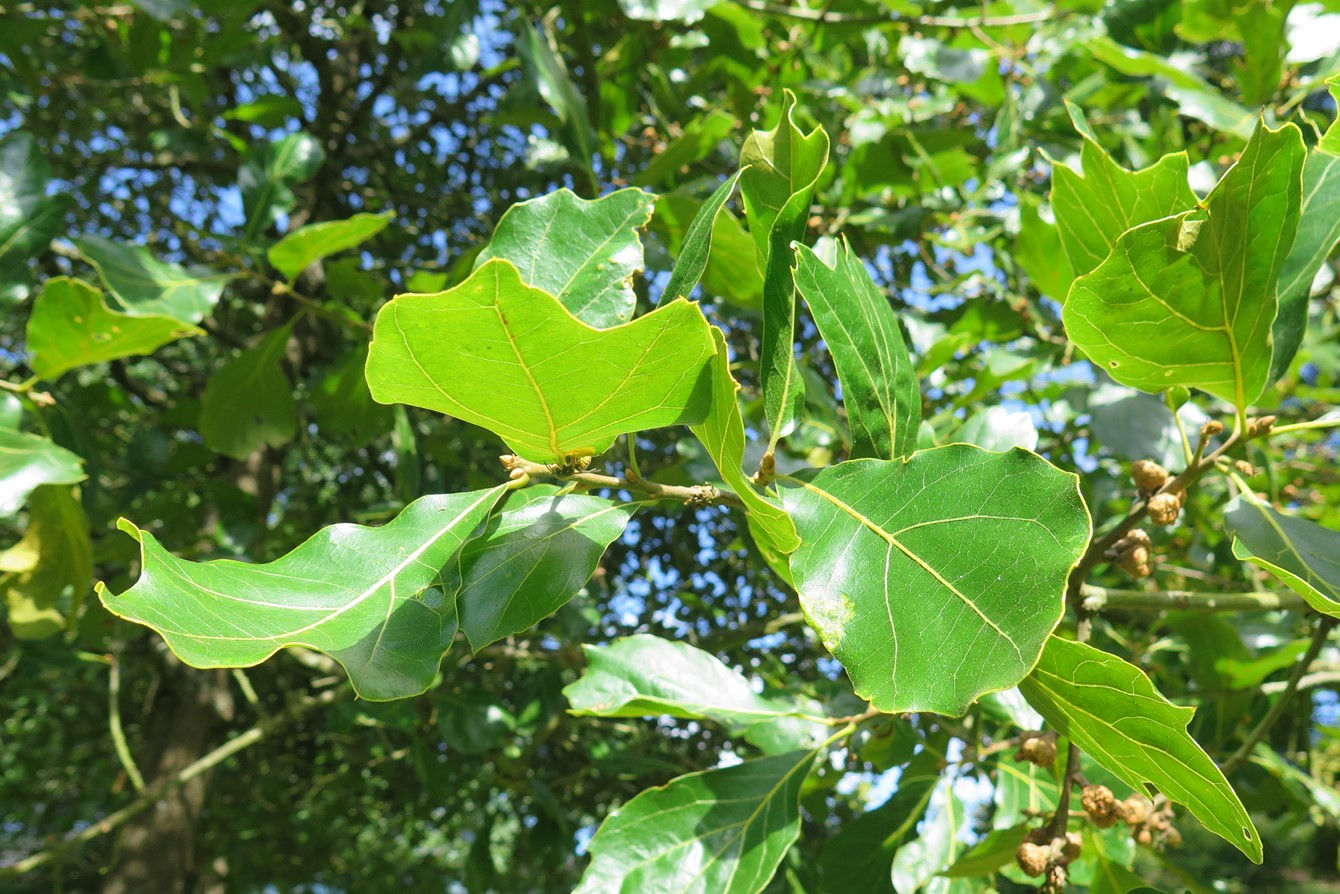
x=156, y=850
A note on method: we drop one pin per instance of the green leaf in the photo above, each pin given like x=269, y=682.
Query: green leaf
x=1318, y=234
x=1038, y=250
x=918, y=862
x=1189, y=300
x=381, y=601
x=249, y=401
x=147, y=287
x=1330, y=141
x=666, y=10
x=722, y=433
x=343, y=405
x=1109, y=877
x=647, y=676
x=267, y=180
x=987, y=856
x=292, y=254
x=29, y=218
x=697, y=245
x=583, y=252
x=539, y=54
x=717, y=832
x=699, y=137
x=879, y=383
x=783, y=166
x=1094, y=208
x=859, y=857
x=1299, y=552
x=71, y=326
x=532, y=559
x=998, y=429
x=920, y=620
x=27, y=462
x=267, y=111
x=53, y=561
x=497, y=353
x=1110, y=709
x=1023, y=792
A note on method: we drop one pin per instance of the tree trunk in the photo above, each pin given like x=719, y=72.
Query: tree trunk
x=156, y=849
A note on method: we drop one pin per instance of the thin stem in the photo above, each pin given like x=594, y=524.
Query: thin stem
x=114, y=724
x=159, y=790
x=1187, y=452
x=21, y=388
x=1324, y=627
x=695, y=495
x=1061, y=818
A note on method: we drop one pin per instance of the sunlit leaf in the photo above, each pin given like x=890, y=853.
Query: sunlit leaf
x=145, y=286
x=721, y=831
x=1110, y=709
x=29, y=218
x=267, y=180
x=879, y=384
x=1301, y=553
x=71, y=326
x=722, y=433
x=937, y=579
x=51, y=563
x=697, y=245
x=381, y=601
x=27, y=462
x=511, y=358
x=1189, y=300
x=292, y=254
x=583, y=252
x=531, y=559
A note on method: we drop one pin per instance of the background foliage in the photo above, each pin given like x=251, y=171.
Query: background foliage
x=203, y=205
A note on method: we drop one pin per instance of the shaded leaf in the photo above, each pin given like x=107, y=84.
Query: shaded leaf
x=921, y=621
x=292, y=254
x=145, y=286
x=29, y=218
x=987, y=856
x=918, y=862
x=583, y=252
x=879, y=384
x=343, y=405
x=1094, y=208
x=1189, y=300
x=53, y=561
x=1299, y=552
x=697, y=245
x=381, y=601
x=722, y=433
x=539, y=54
x=721, y=831
x=71, y=326
x=1110, y=709
x=699, y=137
x=500, y=354
x=249, y=401
x=532, y=559
x=27, y=462
x=267, y=180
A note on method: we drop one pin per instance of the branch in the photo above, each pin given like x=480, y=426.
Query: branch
x=1240, y=756
x=695, y=495
x=1101, y=599
x=159, y=790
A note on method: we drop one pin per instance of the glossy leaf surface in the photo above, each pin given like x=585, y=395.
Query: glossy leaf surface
x=1110, y=709
x=722, y=433
x=532, y=558
x=1190, y=300
x=498, y=353
x=292, y=254
x=145, y=286
x=27, y=462
x=938, y=579
x=72, y=326
x=381, y=601
x=879, y=383
x=584, y=252
x=717, y=832
x=1301, y=553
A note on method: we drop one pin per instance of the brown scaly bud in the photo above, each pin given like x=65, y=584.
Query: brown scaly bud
x=1056, y=881
x=1244, y=468
x=1100, y=804
x=1211, y=428
x=1135, y=562
x=1144, y=836
x=1136, y=810
x=1037, y=748
x=1148, y=475
x=1033, y=858
x=1172, y=837
x=1164, y=508
x=1260, y=426
x=1070, y=850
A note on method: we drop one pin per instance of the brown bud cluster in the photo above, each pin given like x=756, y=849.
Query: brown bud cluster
x=1244, y=468
x=1101, y=805
x=1150, y=825
x=1040, y=856
x=1260, y=426
x=1148, y=475
x=1038, y=748
x=1211, y=428
x=1134, y=553
x=1164, y=508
